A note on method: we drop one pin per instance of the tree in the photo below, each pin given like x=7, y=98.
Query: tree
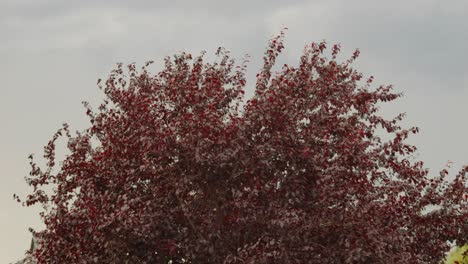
x=458, y=255
x=172, y=168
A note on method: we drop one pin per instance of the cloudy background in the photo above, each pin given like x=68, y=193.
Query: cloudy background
x=52, y=53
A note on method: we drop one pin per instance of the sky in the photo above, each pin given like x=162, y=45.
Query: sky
x=52, y=53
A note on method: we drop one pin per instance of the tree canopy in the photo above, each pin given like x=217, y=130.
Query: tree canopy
x=175, y=167
x=459, y=255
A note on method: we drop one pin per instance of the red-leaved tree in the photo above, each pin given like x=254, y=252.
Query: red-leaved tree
x=174, y=168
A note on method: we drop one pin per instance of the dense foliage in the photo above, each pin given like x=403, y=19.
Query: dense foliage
x=459, y=255
x=174, y=167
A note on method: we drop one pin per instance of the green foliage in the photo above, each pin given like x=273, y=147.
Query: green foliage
x=458, y=255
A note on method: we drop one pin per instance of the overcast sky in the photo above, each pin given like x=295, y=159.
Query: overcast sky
x=52, y=53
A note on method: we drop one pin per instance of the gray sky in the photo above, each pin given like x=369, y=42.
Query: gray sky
x=52, y=52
